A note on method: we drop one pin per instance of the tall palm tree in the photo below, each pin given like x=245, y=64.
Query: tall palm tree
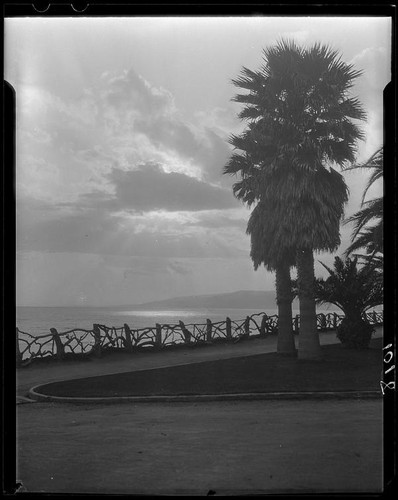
x=368, y=221
x=300, y=118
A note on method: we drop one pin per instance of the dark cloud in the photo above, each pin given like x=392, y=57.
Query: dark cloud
x=150, y=188
x=99, y=232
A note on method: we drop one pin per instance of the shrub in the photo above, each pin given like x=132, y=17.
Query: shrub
x=355, y=334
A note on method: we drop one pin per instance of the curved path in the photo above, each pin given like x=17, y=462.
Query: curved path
x=34, y=375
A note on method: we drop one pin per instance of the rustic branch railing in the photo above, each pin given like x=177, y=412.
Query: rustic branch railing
x=80, y=342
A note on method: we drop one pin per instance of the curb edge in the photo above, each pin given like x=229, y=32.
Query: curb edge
x=39, y=397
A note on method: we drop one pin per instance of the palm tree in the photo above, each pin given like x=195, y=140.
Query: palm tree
x=290, y=217
x=354, y=290
x=274, y=229
x=299, y=118
x=365, y=235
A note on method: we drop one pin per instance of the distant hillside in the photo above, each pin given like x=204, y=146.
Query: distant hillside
x=245, y=299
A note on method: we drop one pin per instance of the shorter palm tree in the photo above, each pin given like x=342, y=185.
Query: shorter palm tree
x=354, y=289
x=264, y=222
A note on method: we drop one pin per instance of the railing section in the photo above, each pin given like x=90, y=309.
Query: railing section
x=80, y=342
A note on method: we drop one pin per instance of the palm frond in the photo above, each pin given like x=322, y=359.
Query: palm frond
x=372, y=210
x=248, y=79
x=249, y=113
x=375, y=162
x=370, y=239
x=350, y=287
x=237, y=163
x=375, y=176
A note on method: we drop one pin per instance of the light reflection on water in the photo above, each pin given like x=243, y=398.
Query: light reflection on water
x=155, y=314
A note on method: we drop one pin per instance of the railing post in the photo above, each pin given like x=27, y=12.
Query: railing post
x=263, y=327
x=247, y=326
x=58, y=343
x=208, y=330
x=129, y=337
x=97, y=340
x=18, y=352
x=334, y=321
x=322, y=322
x=186, y=332
x=158, y=338
x=296, y=323
x=374, y=318
x=228, y=328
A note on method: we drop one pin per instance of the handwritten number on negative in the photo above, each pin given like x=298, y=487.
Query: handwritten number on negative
x=387, y=359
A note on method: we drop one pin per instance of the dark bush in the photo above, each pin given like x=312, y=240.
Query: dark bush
x=355, y=334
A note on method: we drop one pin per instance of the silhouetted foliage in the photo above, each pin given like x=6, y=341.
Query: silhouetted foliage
x=300, y=119
x=354, y=289
x=368, y=221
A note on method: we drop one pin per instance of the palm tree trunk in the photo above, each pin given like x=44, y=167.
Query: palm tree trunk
x=285, y=344
x=309, y=346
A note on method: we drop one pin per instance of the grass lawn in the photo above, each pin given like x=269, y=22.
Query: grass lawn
x=340, y=370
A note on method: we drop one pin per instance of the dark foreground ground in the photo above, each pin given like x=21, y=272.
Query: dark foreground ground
x=340, y=370
x=231, y=448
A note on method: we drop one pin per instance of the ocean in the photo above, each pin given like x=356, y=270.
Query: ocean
x=39, y=320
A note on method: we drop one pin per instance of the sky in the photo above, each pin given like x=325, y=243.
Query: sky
x=122, y=134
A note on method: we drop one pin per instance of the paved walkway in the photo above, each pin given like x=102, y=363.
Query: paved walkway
x=33, y=375
x=231, y=448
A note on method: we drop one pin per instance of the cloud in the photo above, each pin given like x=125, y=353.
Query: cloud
x=151, y=113
x=150, y=188
x=100, y=231
x=376, y=68
x=116, y=124
x=142, y=124
x=212, y=219
x=133, y=90
x=222, y=120
x=153, y=266
x=214, y=156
